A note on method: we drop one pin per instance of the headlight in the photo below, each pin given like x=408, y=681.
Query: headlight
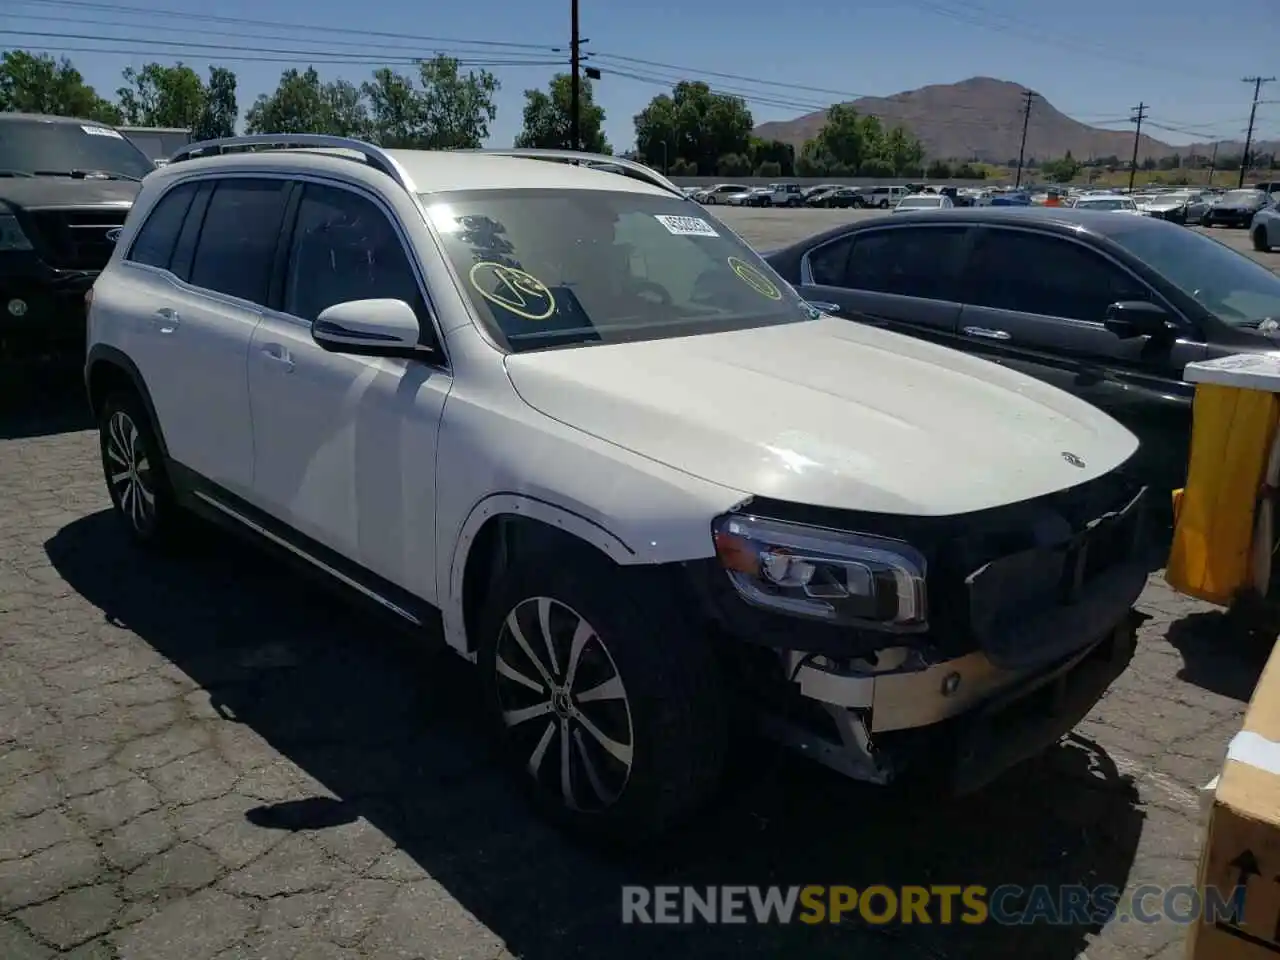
x=831, y=575
x=11, y=235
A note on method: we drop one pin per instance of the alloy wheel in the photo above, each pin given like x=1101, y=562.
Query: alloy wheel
x=564, y=704
x=129, y=471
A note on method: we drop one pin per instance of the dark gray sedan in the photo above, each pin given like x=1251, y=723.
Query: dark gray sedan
x=1110, y=308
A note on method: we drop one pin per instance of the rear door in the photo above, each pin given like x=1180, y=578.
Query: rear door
x=904, y=278
x=1037, y=301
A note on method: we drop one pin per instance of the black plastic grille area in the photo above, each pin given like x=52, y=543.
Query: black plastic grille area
x=76, y=239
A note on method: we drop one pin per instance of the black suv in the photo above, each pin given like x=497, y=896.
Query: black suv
x=66, y=186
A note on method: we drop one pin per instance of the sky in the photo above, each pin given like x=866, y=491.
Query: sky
x=1094, y=59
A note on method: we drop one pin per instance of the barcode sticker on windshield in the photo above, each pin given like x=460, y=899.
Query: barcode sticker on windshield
x=101, y=132
x=686, y=226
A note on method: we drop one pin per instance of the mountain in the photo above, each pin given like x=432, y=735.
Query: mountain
x=981, y=118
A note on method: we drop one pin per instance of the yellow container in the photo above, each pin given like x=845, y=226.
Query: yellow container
x=1233, y=428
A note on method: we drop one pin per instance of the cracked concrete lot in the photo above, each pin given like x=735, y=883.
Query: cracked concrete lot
x=205, y=757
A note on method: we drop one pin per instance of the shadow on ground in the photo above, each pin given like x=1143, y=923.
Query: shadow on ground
x=38, y=400
x=1224, y=651
x=393, y=733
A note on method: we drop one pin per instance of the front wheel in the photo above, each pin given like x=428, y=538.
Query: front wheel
x=884, y=204
x=607, y=703
x=1260, y=240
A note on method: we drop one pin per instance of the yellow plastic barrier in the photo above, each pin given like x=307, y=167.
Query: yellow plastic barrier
x=1233, y=429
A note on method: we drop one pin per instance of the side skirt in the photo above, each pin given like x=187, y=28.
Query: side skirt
x=214, y=503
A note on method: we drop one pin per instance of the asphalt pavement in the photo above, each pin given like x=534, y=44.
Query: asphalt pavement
x=204, y=757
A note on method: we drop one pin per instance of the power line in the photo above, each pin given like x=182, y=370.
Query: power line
x=283, y=25
x=1029, y=97
x=1138, y=117
x=222, y=46
x=347, y=59
x=1253, y=113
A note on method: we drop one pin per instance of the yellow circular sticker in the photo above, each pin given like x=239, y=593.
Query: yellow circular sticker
x=753, y=278
x=514, y=290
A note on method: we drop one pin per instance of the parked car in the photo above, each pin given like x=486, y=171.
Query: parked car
x=66, y=186
x=884, y=197
x=923, y=201
x=430, y=376
x=1114, y=310
x=1265, y=229
x=783, y=195
x=1111, y=203
x=841, y=197
x=1183, y=206
x=1235, y=208
x=719, y=193
x=1269, y=187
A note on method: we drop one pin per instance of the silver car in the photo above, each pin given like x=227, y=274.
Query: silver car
x=1265, y=229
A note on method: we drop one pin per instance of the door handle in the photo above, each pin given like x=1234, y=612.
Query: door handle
x=278, y=355
x=987, y=334
x=824, y=307
x=166, y=319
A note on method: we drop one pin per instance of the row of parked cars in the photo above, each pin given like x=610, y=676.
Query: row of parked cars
x=484, y=393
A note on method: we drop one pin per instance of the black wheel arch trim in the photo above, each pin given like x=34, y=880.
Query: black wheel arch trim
x=102, y=354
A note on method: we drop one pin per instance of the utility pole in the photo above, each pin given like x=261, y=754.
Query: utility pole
x=1028, y=96
x=575, y=62
x=1253, y=112
x=1213, y=162
x=1139, y=115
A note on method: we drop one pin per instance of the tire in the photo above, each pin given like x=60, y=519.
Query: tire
x=1260, y=240
x=662, y=706
x=884, y=204
x=134, y=470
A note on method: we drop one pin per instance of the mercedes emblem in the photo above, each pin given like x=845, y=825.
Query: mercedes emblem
x=1072, y=459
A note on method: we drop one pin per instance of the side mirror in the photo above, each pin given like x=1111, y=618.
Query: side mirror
x=1137, y=318
x=369, y=328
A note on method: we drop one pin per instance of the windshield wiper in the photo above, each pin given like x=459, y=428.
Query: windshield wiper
x=87, y=175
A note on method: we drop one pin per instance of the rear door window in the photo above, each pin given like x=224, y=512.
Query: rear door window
x=907, y=261
x=238, y=240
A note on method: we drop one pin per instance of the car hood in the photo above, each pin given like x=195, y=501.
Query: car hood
x=49, y=192
x=829, y=413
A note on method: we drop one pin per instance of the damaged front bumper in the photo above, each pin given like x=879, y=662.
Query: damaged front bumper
x=1038, y=621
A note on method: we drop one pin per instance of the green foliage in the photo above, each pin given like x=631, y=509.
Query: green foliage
x=773, y=152
x=696, y=125
x=548, y=117
x=733, y=165
x=939, y=170
x=850, y=144
x=770, y=168
x=36, y=83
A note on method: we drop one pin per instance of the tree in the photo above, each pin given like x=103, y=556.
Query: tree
x=696, y=125
x=849, y=145
x=393, y=107
x=218, y=118
x=36, y=83
x=769, y=168
x=776, y=153
x=734, y=165
x=548, y=117
x=939, y=170
x=301, y=103
x=456, y=110
x=1061, y=171
x=160, y=96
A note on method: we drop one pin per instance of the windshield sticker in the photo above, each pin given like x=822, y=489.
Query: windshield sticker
x=102, y=132
x=514, y=290
x=686, y=226
x=753, y=278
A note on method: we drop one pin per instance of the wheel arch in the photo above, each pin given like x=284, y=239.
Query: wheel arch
x=497, y=528
x=108, y=369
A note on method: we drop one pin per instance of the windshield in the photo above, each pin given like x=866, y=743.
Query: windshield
x=1236, y=289
x=1110, y=203
x=41, y=146
x=1243, y=196
x=548, y=268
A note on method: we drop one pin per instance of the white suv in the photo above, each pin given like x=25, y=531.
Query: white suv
x=566, y=419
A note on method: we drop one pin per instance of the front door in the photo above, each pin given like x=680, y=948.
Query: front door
x=1037, y=302
x=345, y=444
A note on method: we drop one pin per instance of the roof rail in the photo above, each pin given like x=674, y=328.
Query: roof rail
x=629, y=168
x=373, y=155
